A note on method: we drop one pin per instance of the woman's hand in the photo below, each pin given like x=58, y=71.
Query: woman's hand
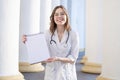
x=24, y=39
x=52, y=59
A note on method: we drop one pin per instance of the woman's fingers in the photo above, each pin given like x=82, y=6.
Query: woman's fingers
x=24, y=39
x=50, y=60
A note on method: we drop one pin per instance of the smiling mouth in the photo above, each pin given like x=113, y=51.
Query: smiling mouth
x=60, y=20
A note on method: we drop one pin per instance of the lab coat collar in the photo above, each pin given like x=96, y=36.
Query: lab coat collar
x=63, y=38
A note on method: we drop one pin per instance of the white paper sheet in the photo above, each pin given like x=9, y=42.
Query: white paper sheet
x=37, y=48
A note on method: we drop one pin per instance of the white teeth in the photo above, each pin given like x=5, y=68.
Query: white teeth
x=60, y=20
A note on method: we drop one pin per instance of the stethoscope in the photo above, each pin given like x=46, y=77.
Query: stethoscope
x=53, y=41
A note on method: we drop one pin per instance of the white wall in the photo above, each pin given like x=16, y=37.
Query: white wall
x=78, y=19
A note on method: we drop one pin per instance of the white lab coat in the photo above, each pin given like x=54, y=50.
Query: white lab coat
x=60, y=70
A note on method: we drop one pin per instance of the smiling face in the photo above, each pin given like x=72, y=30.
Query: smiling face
x=60, y=17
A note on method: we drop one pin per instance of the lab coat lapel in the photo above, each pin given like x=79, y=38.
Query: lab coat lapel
x=56, y=37
x=64, y=37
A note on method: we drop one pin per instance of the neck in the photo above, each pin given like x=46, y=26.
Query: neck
x=60, y=29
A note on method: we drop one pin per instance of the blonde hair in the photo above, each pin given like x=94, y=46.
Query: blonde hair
x=53, y=25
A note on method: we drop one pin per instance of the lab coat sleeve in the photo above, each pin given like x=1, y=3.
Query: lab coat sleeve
x=74, y=46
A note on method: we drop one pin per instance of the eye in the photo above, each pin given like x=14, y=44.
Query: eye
x=62, y=14
x=59, y=14
x=56, y=14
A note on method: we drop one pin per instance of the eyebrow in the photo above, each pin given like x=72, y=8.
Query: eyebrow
x=59, y=12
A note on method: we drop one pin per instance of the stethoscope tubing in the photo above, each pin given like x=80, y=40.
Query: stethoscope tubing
x=55, y=41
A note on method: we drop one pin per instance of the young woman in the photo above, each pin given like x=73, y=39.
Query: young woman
x=63, y=45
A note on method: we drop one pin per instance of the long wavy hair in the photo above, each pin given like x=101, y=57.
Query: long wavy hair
x=53, y=25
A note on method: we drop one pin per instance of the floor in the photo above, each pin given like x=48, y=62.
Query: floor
x=80, y=75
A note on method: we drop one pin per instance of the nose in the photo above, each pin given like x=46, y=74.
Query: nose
x=59, y=15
